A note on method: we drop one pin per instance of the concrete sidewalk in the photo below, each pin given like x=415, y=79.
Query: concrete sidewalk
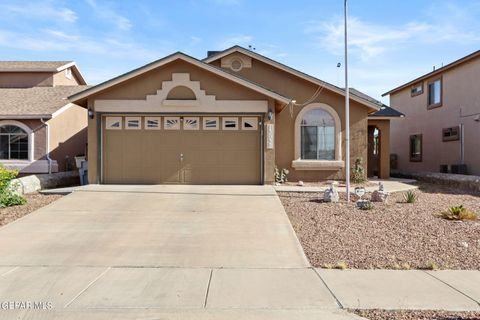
x=206, y=293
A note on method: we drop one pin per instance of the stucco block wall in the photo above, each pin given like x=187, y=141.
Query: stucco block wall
x=25, y=79
x=40, y=137
x=68, y=135
x=461, y=103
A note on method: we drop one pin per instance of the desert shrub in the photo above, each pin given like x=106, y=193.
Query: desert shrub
x=7, y=197
x=281, y=175
x=366, y=205
x=458, y=213
x=358, y=172
x=410, y=196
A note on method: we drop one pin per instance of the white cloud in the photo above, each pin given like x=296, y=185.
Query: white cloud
x=105, y=12
x=40, y=10
x=372, y=40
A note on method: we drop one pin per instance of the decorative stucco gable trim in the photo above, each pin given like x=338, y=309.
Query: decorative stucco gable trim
x=77, y=98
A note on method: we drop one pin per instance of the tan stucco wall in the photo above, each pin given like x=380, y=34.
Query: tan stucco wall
x=40, y=137
x=384, y=127
x=25, y=79
x=460, y=92
x=60, y=79
x=301, y=90
x=68, y=135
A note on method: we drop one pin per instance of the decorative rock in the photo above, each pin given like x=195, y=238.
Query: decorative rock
x=464, y=244
x=380, y=195
x=331, y=194
x=300, y=183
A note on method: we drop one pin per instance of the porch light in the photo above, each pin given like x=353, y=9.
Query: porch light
x=91, y=114
x=270, y=114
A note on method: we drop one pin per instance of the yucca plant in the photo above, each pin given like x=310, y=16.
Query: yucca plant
x=458, y=213
x=410, y=196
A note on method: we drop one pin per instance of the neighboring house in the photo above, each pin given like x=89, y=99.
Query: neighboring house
x=228, y=119
x=439, y=106
x=40, y=130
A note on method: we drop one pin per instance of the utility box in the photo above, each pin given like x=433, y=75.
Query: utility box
x=459, y=168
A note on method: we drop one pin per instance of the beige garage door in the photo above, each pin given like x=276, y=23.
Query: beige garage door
x=181, y=149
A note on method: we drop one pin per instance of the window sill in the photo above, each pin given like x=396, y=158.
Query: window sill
x=319, y=165
x=433, y=106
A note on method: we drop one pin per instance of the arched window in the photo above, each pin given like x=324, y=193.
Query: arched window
x=13, y=143
x=317, y=135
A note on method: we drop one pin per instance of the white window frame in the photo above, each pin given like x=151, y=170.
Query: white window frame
x=138, y=119
x=254, y=123
x=31, y=140
x=205, y=119
x=109, y=121
x=327, y=165
x=165, y=119
x=146, y=119
x=224, y=121
x=186, y=119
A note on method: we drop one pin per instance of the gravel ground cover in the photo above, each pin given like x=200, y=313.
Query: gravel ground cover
x=34, y=201
x=396, y=235
x=416, y=315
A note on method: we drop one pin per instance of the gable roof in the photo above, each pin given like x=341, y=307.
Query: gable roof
x=455, y=63
x=41, y=66
x=384, y=112
x=79, y=97
x=276, y=64
x=34, y=103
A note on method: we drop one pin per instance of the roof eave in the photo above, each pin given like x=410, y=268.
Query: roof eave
x=75, y=98
x=25, y=116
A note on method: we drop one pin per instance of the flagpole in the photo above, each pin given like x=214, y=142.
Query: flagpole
x=347, y=107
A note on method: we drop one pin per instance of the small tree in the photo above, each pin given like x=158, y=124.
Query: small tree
x=358, y=172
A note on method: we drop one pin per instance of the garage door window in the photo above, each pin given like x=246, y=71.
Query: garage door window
x=113, y=123
x=152, y=123
x=191, y=123
x=250, y=123
x=230, y=124
x=133, y=123
x=171, y=123
x=210, y=123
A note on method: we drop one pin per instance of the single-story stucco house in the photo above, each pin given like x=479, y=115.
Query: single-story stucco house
x=40, y=130
x=230, y=118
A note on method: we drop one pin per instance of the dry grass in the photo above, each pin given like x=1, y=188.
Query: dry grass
x=416, y=315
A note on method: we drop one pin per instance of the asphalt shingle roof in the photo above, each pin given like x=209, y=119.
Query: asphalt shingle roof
x=46, y=66
x=36, y=101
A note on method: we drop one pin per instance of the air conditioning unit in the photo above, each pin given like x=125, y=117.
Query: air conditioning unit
x=459, y=168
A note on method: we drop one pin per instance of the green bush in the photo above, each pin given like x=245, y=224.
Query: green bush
x=7, y=197
x=281, y=175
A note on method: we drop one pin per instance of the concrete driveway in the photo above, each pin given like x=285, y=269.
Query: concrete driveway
x=160, y=252
x=151, y=226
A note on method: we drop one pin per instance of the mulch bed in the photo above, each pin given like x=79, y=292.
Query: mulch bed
x=396, y=235
x=416, y=315
x=34, y=201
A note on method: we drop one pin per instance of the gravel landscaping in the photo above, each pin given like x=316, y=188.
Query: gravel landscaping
x=396, y=235
x=34, y=201
x=416, y=315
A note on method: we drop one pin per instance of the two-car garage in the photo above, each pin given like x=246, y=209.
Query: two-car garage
x=181, y=149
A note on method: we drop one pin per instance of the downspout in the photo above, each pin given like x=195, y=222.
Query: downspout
x=47, y=125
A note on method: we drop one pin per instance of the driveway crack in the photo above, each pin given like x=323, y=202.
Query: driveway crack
x=208, y=289
x=88, y=286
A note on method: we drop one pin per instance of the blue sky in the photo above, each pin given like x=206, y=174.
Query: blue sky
x=391, y=41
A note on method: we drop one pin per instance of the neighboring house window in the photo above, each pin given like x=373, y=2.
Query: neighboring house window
x=450, y=134
x=416, y=148
x=317, y=135
x=417, y=89
x=435, y=93
x=14, y=143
